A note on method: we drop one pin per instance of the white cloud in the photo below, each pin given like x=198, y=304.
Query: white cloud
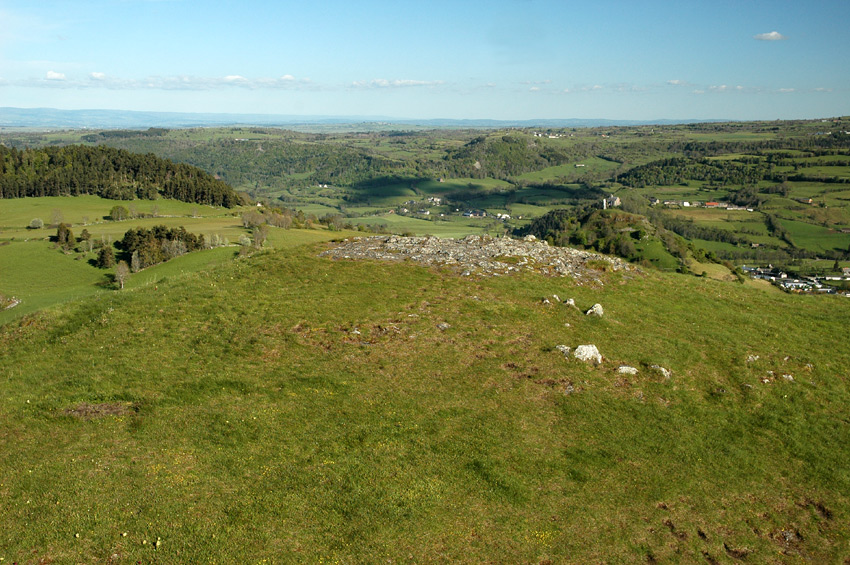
x=677, y=82
x=721, y=88
x=397, y=83
x=821, y=89
x=786, y=90
x=287, y=77
x=771, y=36
x=534, y=89
x=235, y=78
x=97, y=76
x=53, y=75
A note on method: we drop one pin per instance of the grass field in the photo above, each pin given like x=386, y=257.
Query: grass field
x=17, y=213
x=232, y=415
x=816, y=237
x=41, y=276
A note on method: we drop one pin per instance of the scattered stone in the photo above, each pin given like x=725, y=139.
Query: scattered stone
x=626, y=370
x=529, y=237
x=570, y=302
x=442, y=326
x=747, y=385
x=563, y=349
x=483, y=255
x=752, y=358
x=569, y=389
x=788, y=377
x=809, y=366
x=555, y=296
x=666, y=373
x=355, y=331
x=546, y=301
x=595, y=310
x=588, y=353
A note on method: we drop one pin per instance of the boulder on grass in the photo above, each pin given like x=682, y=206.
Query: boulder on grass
x=588, y=354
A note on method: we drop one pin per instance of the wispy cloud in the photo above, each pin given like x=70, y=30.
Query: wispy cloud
x=101, y=80
x=396, y=83
x=770, y=36
x=787, y=90
x=677, y=82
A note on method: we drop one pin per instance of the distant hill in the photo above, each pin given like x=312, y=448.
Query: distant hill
x=97, y=119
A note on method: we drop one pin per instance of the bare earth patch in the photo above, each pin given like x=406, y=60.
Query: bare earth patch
x=86, y=411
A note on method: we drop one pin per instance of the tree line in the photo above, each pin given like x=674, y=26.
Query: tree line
x=107, y=172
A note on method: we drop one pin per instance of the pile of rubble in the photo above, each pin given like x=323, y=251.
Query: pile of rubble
x=482, y=255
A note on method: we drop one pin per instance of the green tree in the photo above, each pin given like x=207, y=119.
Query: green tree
x=105, y=257
x=64, y=236
x=36, y=224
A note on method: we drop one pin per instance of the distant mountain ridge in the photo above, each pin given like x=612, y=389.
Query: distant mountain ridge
x=119, y=119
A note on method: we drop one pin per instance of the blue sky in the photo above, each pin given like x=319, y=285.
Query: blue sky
x=510, y=59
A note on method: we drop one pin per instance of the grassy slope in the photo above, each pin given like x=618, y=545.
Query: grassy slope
x=263, y=427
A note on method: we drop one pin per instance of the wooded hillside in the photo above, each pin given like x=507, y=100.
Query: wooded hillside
x=108, y=172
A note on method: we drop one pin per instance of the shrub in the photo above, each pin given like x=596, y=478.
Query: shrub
x=118, y=213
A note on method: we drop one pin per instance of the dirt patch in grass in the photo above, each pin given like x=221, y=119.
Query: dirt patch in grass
x=87, y=411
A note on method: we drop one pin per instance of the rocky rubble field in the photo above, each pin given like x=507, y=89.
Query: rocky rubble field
x=483, y=255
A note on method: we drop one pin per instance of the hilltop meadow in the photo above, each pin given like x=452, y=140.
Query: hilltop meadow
x=287, y=407
x=193, y=381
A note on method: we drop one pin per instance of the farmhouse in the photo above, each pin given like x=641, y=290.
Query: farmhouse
x=610, y=202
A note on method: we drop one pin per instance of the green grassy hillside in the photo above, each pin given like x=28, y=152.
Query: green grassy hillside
x=288, y=408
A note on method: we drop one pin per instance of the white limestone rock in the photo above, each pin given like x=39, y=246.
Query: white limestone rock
x=595, y=310
x=588, y=353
